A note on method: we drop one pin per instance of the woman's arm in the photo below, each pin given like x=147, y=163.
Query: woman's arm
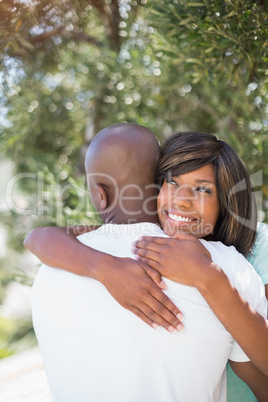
x=258, y=257
x=59, y=248
x=248, y=327
x=253, y=377
x=135, y=286
x=187, y=262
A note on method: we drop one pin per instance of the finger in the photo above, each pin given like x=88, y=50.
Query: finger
x=153, y=239
x=164, y=300
x=153, y=319
x=160, y=309
x=150, y=263
x=144, y=317
x=157, y=319
x=148, y=245
x=150, y=254
x=155, y=276
x=158, y=313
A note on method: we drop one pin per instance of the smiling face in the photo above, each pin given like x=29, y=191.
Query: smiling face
x=189, y=203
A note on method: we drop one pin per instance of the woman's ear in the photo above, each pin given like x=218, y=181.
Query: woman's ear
x=102, y=197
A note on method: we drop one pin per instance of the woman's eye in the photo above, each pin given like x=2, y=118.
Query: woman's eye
x=202, y=189
x=170, y=181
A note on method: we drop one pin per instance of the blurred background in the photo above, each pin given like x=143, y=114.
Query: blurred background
x=69, y=68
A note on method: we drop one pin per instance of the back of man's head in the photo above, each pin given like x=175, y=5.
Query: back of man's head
x=120, y=163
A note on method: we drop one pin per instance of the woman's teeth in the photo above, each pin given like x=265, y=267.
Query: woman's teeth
x=179, y=218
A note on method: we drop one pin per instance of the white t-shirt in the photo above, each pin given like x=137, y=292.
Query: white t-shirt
x=95, y=350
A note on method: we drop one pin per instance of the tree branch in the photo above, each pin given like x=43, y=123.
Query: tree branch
x=47, y=34
x=111, y=19
x=61, y=31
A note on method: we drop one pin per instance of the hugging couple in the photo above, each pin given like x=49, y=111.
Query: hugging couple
x=153, y=304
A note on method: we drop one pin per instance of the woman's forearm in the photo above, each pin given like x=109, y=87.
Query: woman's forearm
x=248, y=328
x=59, y=248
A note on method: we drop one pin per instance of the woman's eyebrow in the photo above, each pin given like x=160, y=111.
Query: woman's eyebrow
x=175, y=178
x=204, y=181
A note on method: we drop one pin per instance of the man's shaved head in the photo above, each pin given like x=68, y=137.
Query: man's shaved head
x=123, y=159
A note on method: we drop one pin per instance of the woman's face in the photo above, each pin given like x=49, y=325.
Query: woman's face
x=189, y=203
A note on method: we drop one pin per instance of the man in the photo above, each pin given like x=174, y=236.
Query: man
x=95, y=350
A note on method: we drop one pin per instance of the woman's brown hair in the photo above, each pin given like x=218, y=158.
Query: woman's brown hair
x=188, y=151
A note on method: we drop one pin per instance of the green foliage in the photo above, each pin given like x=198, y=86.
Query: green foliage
x=215, y=38
x=7, y=328
x=15, y=335
x=71, y=68
x=5, y=278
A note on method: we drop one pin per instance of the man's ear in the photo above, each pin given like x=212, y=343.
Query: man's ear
x=102, y=197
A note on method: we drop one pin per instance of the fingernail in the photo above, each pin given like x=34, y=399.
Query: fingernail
x=133, y=250
x=180, y=327
x=163, y=285
x=180, y=317
x=171, y=329
x=155, y=326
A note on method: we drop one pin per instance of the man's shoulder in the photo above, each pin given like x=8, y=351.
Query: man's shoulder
x=117, y=240
x=228, y=258
x=124, y=230
x=240, y=272
x=220, y=248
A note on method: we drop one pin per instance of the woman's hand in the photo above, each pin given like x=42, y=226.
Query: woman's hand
x=179, y=259
x=137, y=288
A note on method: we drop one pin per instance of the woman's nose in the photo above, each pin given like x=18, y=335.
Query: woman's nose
x=184, y=196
